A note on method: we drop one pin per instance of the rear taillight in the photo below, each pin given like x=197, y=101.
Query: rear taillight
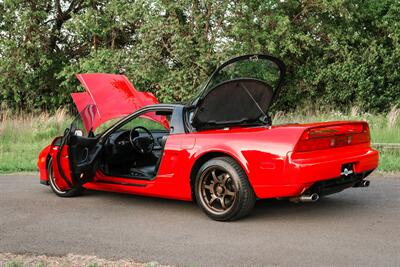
x=326, y=137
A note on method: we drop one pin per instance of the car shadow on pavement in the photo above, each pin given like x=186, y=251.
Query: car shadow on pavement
x=267, y=209
x=326, y=208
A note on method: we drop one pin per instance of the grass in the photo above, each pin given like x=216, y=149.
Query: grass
x=20, y=264
x=13, y=264
x=22, y=136
x=385, y=128
x=19, y=260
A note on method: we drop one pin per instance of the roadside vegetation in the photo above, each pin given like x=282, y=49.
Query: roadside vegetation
x=385, y=129
x=21, y=260
x=338, y=53
x=22, y=136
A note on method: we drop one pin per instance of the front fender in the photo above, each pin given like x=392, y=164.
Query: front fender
x=42, y=164
x=43, y=159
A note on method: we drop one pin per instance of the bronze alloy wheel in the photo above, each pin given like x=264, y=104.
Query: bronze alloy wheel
x=222, y=190
x=217, y=188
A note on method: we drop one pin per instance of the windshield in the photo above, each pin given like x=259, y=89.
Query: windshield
x=150, y=120
x=83, y=124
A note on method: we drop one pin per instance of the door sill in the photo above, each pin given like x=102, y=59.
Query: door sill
x=120, y=183
x=121, y=176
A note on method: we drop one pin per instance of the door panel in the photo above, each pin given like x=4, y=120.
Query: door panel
x=80, y=148
x=84, y=154
x=61, y=169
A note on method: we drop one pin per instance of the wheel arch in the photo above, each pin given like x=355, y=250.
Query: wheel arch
x=203, y=158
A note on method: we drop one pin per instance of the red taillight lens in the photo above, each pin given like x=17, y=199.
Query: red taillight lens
x=333, y=136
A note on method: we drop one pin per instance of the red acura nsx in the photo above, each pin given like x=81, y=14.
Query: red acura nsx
x=220, y=150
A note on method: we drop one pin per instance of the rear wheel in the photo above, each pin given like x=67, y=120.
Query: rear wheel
x=59, y=190
x=223, y=191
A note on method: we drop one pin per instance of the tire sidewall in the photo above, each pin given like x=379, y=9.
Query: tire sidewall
x=238, y=203
x=70, y=193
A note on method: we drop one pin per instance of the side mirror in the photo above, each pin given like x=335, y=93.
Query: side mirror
x=78, y=132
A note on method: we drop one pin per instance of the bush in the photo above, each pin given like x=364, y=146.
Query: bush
x=340, y=53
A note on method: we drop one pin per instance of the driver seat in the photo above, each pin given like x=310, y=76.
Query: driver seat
x=142, y=172
x=150, y=171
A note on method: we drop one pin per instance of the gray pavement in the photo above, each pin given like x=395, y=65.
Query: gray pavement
x=357, y=227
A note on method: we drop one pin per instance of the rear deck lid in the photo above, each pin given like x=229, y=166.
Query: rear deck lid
x=239, y=92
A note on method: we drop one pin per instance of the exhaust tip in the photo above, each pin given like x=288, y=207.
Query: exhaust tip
x=309, y=197
x=363, y=183
x=366, y=183
x=314, y=197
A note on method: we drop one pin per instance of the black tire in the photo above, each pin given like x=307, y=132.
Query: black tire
x=76, y=191
x=216, y=182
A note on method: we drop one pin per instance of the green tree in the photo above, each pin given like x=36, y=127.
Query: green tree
x=339, y=52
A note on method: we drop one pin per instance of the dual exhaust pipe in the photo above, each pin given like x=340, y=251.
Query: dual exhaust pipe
x=313, y=197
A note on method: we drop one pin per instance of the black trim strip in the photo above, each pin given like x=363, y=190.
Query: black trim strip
x=44, y=182
x=128, y=176
x=120, y=183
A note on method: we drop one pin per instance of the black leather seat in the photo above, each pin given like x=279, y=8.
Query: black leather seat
x=143, y=172
x=151, y=170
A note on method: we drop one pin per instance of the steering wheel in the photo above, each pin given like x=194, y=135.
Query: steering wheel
x=141, y=144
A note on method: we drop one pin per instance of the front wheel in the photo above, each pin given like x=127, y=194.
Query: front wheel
x=223, y=191
x=57, y=187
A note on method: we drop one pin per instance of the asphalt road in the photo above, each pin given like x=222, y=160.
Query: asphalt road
x=353, y=228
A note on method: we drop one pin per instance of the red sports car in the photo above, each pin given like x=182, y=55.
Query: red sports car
x=220, y=150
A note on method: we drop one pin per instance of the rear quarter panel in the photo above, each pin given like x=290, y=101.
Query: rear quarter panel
x=262, y=152
x=266, y=154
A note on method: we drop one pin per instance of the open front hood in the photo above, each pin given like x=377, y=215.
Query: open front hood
x=239, y=92
x=114, y=97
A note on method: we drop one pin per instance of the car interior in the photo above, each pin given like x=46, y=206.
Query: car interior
x=135, y=150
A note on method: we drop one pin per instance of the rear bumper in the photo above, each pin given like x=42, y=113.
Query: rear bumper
x=322, y=172
x=320, y=169
x=335, y=185
x=322, y=165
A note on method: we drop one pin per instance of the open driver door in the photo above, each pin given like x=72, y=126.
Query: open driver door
x=77, y=158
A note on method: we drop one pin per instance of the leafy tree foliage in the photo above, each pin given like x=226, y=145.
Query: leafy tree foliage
x=338, y=52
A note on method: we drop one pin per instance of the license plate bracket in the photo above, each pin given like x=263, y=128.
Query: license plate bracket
x=347, y=170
